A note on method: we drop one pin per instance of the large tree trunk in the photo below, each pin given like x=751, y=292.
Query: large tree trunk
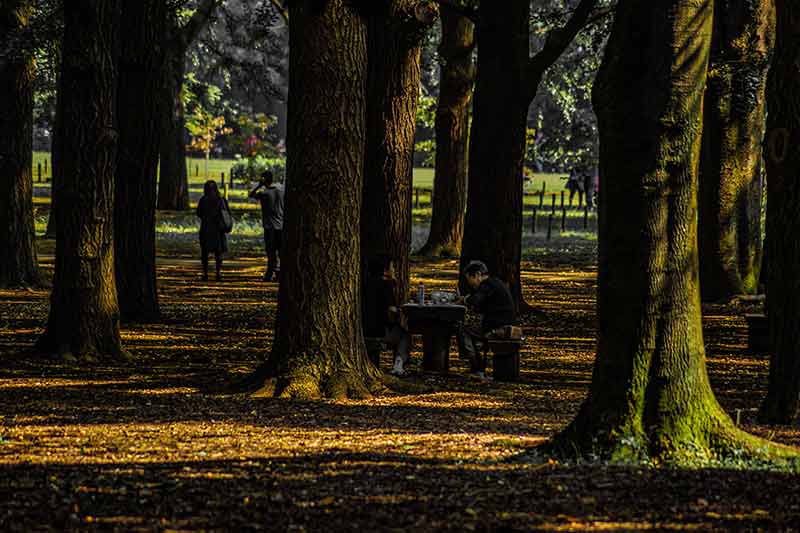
x=650, y=394
x=18, y=265
x=319, y=347
x=55, y=167
x=493, y=226
x=783, y=218
x=393, y=79
x=84, y=317
x=452, y=135
x=173, y=182
x=137, y=160
x=730, y=183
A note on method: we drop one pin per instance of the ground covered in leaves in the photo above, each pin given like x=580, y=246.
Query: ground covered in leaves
x=154, y=446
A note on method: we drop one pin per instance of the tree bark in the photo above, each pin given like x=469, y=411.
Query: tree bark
x=173, y=181
x=137, y=159
x=55, y=167
x=783, y=219
x=650, y=395
x=393, y=80
x=493, y=225
x=457, y=75
x=84, y=317
x=730, y=182
x=18, y=263
x=506, y=83
x=319, y=347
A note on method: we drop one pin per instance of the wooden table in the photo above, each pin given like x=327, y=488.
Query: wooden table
x=436, y=323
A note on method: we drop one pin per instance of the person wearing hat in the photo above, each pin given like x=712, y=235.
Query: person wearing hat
x=490, y=298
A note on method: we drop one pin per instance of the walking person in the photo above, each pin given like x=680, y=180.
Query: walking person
x=212, y=227
x=271, y=197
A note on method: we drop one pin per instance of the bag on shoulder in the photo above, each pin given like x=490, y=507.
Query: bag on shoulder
x=226, y=224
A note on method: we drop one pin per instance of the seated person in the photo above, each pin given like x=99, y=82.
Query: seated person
x=490, y=298
x=382, y=318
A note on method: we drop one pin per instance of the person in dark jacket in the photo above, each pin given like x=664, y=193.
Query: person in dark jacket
x=271, y=197
x=382, y=317
x=212, y=237
x=492, y=300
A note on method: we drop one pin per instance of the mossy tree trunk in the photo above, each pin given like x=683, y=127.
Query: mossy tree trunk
x=141, y=61
x=18, y=264
x=730, y=174
x=319, y=347
x=457, y=77
x=84, y=317
x=507, y=81
x=650, y=395
x=394, y=37
x=783, y=219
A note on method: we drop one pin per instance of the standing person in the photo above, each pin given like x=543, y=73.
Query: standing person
x=574, y=184
x=212, y=235
x=271, y=197
x=490, y=298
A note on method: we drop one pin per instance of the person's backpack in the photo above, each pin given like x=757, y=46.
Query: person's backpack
x=226, y=224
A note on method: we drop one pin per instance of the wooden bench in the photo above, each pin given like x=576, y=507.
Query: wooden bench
x=375, y=345
x=505, y=357
x=757, y=333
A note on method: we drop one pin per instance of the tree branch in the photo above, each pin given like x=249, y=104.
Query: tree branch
x=557, y=41
x=469, y=12
x=282, y=11
x=198, y=20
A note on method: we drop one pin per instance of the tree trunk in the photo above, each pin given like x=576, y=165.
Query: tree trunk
x=319, y=347
x=730, y=183
x=452, y=135
x=137, y=158
x=84, y=317
x=650, y=394
x=55, y=166
x=173, y=182
x=493, y=225
x=393, y=78
x=18, y=264
x=783, y=219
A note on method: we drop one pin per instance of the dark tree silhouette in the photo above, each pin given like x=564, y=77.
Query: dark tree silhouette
x=730, y=194
x=84, y=317
x=506, y=83
x=650, y=394
x=783, y=219
x=18, y=264
x=393, y=78
x=457, y=76
x=141, y=58
x=173, y=183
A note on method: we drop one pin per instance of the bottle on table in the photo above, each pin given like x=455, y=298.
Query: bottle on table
x=421, y=294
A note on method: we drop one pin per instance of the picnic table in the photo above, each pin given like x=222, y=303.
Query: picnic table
x=436, y=323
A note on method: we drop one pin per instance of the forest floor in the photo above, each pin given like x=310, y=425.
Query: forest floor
x=151, y=446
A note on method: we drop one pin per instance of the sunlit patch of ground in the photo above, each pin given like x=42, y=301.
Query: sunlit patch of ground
x=152, y=447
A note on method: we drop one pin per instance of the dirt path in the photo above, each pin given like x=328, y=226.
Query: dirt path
x=147, y=447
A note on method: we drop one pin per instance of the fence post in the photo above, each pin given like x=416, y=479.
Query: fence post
x=533, y=222
x=40, y=172
x=562, y=199
x=222, y=179
x=416, y=198
x=45, y=167
x=549, y=226
x=553, y=198
x=541, y=197
x=563, y=219
x=196, y=170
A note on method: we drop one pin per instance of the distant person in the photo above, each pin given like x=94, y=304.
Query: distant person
x=574, y=184
x=212, y=236
x=382, y=317
x=271, y=197
x=489, y=297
